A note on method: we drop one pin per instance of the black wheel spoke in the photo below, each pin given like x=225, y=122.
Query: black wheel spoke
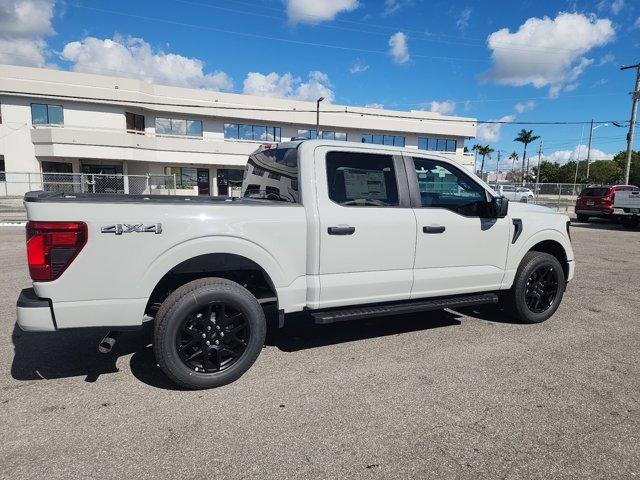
x=541, y=289
x=211, y=345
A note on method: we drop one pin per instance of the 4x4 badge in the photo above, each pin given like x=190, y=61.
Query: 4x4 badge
x=121, y=228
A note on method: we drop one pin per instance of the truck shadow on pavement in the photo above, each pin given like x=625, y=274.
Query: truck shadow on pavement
x=63, y=354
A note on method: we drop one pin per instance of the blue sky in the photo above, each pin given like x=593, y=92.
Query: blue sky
x=526, y=60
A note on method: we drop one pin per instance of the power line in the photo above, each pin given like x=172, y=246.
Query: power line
x=422, y=35
x=267, y=37
x=296, y=110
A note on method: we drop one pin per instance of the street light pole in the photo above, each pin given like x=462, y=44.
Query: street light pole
x=318, y=116
x=589, y=149
x=632, y=125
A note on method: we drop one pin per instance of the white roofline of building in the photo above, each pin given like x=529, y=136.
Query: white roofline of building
x=101, y=89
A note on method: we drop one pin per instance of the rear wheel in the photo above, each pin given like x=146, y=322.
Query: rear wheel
x=208, y=333
x=583, y=218
x=537, y=289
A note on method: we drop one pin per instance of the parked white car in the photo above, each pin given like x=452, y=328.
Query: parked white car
x=514, y=193
x=341, y=230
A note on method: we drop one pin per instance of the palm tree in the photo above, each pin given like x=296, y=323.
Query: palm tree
x=485, y=151
x=475, y=158
x=525, y=137
x=514, y=158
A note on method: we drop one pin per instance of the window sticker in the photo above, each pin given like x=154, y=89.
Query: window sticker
x=365, y=184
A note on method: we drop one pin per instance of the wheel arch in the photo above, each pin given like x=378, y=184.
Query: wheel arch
x=231, y=258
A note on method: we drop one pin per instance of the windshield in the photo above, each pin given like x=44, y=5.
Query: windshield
x=595, y=192
x=272, y=175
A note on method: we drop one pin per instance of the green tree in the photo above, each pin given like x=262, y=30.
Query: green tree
x=525, y=137
x=485, y=151
x=605, y=171
x=634, y=171
x=549, y=172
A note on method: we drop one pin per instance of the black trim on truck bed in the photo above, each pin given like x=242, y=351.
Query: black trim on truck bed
x=57, y=197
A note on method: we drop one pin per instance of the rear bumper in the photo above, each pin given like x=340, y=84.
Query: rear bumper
x=34, y=313
x=593, y=213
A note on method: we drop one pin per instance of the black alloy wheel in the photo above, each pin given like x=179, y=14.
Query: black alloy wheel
x=541, y=289
x=212, y=338
x=208, y=333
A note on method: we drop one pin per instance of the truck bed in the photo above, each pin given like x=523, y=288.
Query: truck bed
x=57, y=197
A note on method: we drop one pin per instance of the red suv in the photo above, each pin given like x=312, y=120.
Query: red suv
x=597, y=201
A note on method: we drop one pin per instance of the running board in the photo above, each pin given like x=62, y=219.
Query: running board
x=332, y=316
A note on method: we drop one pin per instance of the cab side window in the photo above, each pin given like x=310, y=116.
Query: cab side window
x=362, y=179
x=444, y=186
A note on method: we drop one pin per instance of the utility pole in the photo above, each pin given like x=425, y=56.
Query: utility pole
x=589, y=149
x=498, y=167
x=632, y=125
x=538, y=171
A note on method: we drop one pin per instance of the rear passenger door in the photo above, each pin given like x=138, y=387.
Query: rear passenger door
x=367, y=228
x=457, y=249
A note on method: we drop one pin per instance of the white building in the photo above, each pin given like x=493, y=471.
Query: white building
x=57, y=121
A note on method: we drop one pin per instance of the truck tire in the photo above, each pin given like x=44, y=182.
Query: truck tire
x=537, y=288
x=583, y=218
x=208, y=333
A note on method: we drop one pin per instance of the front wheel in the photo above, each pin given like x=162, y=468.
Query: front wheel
x=537, y=289
x=208, y=333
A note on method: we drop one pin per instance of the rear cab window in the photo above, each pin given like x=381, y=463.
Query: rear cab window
x=595, y=192
x=272, y=174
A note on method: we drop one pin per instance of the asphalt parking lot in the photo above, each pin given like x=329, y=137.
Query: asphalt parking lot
x=445, y=394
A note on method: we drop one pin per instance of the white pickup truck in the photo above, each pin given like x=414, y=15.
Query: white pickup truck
x=627, y=206
x=342, y=230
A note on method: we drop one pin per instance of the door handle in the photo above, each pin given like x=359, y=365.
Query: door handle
x=342, y=230
x=434, y=229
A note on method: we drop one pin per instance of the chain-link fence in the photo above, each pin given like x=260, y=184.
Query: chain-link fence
x=18, y=183
x=559, y=196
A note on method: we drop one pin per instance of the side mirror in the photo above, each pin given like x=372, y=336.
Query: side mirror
x=498, y=207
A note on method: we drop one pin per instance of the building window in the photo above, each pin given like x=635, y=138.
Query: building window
x=43, y=114
x=3, y=177
x=395, y=140
x=258, y=133
x=324, y=134
x=135, y=122
x=437, y=144
x=186, y=177
x=179, y=127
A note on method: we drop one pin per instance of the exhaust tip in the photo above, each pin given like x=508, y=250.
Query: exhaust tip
x=108, y=342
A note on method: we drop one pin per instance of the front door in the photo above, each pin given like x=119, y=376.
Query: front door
x=367, y=228
x=457, y=251
x=203, y=181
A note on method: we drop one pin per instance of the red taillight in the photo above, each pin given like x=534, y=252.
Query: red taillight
x=52, y=246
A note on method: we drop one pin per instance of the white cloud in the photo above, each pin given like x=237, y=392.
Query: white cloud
x=636, y=24
x=133, y=57
x=24, y=24
x=445, y=107
x=392, y=6
x=579, y=152
x=490, y=132
x=359, y=67
x=521, y=107
x=608, y=58
x=616, y=6
x=463, y=21
x=316, y=11
x=288, y=86
x=374, y=105
x=398, y=48
x=546, y=52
